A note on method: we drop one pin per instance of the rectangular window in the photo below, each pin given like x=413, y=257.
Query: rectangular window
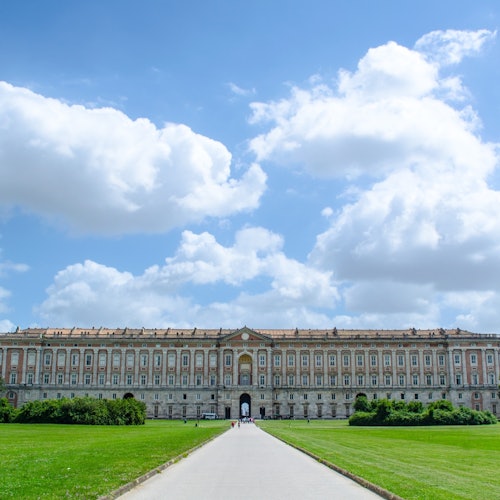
x=61, y=358
x=227, y=359
x=414, y=379
x=130, y=359
x=88, y=379
x=458, y=378
x=401, y=360
x=171, y=379
x=184, y=379
x=305, y=380
x=48, y=359
x=428, y=379
x=346, y=360
x=13, y=378
x=74, y=379
x=102, y=359
x=291, y=360
x=115, y=379
x=333, y=380
x=305, y=360
x=277, y=360
x=473, y=359
x=427, y=360
x=198, y=379
x=319, y=379
x=442, y=379
x=46, y=378
x=319, y=360
x=441, y=360
x=30, y=378
x=262, y=360
x=213, y=360
x=361, y=380
x=213, y=379
x=129, y=379
x=262, y=379
x=144, y=360
x=185, y=360
x=456, y=358
x=88, y=360
x=374, y=381
x=387, y=360
x=157, y=379
x=143, y=379
x=277, y=380
x=373, y=360
x=116, y=359
x=359, y=360
x=199, y=360
x=157, y=359
x=101, y=379
x=388, y=380
x=332, y=360
x=347, y=380
x=171, y=359
x=489, y=359
x=227, y=379
x=401, y=380
x=414, y=360
x=291, y=380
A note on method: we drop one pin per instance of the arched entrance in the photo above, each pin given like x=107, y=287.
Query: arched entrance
x=245, y=406
x=245, y=370
x=128, y=395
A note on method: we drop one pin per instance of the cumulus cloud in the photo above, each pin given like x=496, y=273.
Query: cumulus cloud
x=293, y=293
x=423, y=226
x=99, y=171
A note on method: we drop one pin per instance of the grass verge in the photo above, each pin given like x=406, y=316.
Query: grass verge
x=434, y=463
x=45, y=461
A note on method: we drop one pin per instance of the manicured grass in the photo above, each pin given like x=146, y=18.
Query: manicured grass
x=432, y=463
x=73, y=461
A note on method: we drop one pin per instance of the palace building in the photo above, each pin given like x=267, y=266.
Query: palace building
x=185, y=373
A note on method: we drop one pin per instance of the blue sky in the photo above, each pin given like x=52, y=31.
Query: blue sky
x=272, y=164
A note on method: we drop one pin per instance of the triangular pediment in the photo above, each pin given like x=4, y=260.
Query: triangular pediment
x=246, y=334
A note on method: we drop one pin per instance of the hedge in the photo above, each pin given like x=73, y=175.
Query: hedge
x=391, y=413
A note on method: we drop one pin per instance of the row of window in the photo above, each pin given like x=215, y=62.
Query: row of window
x=359, y=380
x=291, y=359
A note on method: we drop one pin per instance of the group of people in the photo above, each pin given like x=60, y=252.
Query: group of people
x=244, y=420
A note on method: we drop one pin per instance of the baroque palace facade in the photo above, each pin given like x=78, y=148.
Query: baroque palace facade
x=181, y=373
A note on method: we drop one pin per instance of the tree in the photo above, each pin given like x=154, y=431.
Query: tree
x=3, y=387
x=362, y=404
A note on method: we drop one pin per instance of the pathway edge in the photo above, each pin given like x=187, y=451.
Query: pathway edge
x=157, y=470
x=361, y=481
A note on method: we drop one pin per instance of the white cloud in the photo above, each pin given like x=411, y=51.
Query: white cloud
x=385, y=116
x=294, y=293
x=427, y=226
x=451, y=46
x=240, y=91
x=99, y=171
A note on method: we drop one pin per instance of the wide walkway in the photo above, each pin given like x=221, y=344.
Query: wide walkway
x=247, y=463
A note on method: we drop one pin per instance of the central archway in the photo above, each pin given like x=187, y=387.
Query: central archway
x=245, y=406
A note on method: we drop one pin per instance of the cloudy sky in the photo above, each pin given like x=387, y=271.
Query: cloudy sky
x=277, y=164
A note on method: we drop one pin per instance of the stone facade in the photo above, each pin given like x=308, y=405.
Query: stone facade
x=182, y=373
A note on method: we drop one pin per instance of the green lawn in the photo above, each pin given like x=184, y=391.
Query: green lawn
x=431, y=463
x=72, y=461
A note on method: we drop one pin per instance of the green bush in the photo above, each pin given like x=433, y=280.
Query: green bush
x=84, y=411
x=7, y=411
x=399, y=413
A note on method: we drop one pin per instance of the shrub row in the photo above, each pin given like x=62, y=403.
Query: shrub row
x=87, y=411
x=399, y=413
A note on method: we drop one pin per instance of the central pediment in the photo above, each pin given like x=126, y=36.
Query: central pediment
x=246, y=334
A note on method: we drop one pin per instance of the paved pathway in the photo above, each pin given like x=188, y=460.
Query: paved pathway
x=247, y=463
